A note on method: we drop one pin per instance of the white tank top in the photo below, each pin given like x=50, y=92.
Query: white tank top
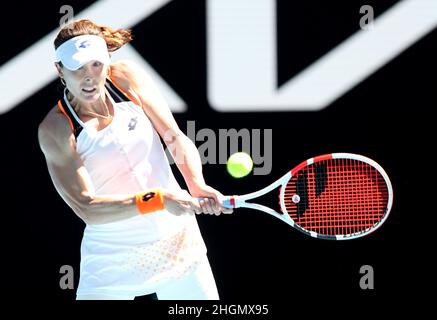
x=136, y=255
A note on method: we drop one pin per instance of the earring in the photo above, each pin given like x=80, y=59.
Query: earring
x=63, y=82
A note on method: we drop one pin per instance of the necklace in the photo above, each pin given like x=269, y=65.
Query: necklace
x=109, y=116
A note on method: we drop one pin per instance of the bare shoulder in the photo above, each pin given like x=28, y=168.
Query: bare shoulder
x=53, y=122
x=54, y=133
x=124, y=66
x=129, y=73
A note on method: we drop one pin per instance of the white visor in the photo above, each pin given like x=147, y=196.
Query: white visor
x=80, y=50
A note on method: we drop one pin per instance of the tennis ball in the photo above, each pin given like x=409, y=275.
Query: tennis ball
x=239, y=164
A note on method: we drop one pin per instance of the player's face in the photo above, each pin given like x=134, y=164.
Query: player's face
x=87, y=83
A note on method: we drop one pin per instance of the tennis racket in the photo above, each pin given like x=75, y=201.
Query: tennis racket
x=335, y=196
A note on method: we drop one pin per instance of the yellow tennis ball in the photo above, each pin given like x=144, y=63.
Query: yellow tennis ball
x=239, y=164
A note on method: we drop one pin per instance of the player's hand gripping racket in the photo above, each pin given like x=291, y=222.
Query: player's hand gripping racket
x=336, y=196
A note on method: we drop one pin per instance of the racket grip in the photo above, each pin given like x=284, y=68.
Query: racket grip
x=228, y=202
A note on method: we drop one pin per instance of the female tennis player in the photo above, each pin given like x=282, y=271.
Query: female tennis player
x=104, y=155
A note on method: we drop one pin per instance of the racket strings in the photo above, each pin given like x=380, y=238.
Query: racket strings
x=337, y=196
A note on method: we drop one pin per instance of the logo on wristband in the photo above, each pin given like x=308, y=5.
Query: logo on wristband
x=148, y=196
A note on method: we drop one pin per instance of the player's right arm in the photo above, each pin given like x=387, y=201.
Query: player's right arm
x=72, y=182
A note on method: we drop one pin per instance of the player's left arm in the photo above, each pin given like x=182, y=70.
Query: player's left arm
x=139, y=85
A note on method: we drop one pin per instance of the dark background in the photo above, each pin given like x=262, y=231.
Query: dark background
x=253, y=255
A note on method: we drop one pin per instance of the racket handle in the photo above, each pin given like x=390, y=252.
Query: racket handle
x=228, y=202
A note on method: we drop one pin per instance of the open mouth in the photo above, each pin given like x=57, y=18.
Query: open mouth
x=89, y=90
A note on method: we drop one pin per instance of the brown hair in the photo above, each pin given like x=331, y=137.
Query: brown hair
x=115, y=38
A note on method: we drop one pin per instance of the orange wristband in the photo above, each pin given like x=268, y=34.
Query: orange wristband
x=149, y=201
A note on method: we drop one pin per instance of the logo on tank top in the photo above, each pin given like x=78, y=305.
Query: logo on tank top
x=132, y=123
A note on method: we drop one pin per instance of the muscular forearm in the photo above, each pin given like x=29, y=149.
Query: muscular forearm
x=188, y=160
x=189, y=163
x=101, y=209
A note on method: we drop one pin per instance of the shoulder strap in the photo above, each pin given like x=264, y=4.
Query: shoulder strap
x=75, y=126
x=116, y=94
x=124, y=95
